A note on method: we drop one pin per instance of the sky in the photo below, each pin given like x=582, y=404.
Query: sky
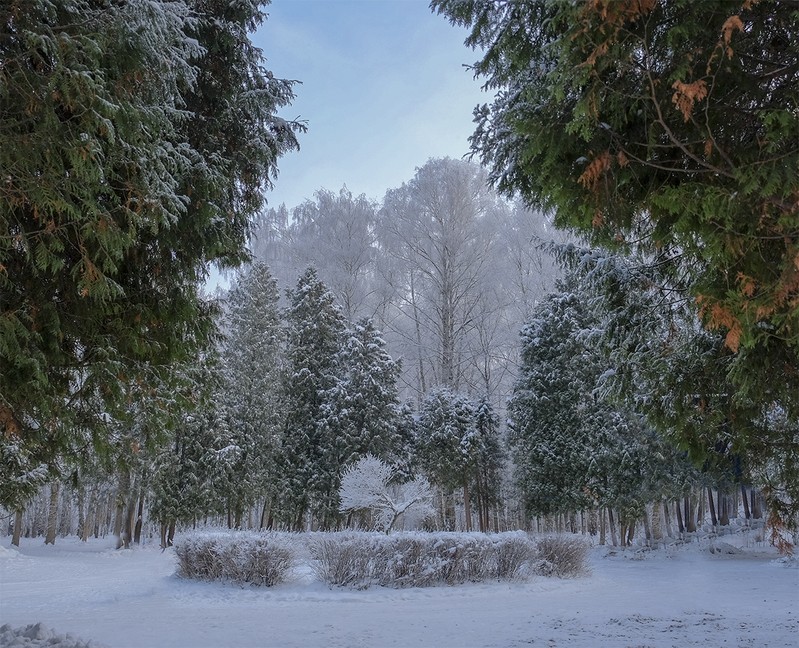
x=384, y=88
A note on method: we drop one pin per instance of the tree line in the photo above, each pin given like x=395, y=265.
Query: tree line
x=136, y=143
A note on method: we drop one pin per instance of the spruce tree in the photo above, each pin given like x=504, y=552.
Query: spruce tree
x=309, y=459
x=136, y=140
x=250, y=398
x=448, y=444
x=362, y=408
x=669, y=122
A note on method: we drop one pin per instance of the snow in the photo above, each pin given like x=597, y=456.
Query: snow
x=678, y=596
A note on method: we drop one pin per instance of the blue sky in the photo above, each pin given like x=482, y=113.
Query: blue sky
x=383, y=89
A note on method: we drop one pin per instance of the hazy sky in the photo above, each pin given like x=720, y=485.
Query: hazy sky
x=384, y=88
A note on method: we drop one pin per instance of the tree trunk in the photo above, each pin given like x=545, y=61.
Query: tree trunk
x=602, y=539
x=713, y=520
x=680, y=523
x=91, y=516
x=121, y=499
x=723, y=509
x=647, y=529
x=52, y=513
x=479, y=501
x=467, y=507
x=690, y=525
x=667, y=519
x=419, y=347
x=657, y=523
x=754, y=496
x=612, y=523
x=593, y=522
x=745, y=501
x=119, y=522
x=17, y=527
x=171, y=537
x=265, y=514
x=139, y=518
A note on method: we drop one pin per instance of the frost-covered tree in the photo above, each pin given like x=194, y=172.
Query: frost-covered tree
x=362, y=409
x=309, y=460
x=447, y=443
x=372, y=484
x=20, y=478
x=136, y=140
x=186, y=472
x=671, y=123
x=490, y=460
x=335, y=233
x=573, y=449
x=433, y=230
x=250, y=398
x=664, y=364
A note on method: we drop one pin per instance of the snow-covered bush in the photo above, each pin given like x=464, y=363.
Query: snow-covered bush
x=420, y=559
x=37, y=635
x=562, y=556
x=370, y=484
x=342, y=559
x=515, y=555
x=241, y=557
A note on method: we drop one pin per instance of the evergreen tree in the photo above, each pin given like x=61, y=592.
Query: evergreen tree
x=186, y=482
x=490, y=460
x=362, y=408
x=573, y=449
x=448, y=444
x=183, y=485
x=670, y=122
x=683, y=377
x=20, y=479
x=136, y=140
x=250, y=397
x=309, y=460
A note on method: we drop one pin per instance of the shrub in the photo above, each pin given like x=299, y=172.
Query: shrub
x=241, y=557
x=359, y=560
x=561, y=556
x=342, y=559
x=420, y=559
x=516, y=555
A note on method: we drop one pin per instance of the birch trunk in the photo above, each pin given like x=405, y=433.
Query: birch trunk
x=602, y=539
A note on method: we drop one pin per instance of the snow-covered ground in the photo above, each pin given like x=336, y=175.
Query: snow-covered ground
x=680, y=596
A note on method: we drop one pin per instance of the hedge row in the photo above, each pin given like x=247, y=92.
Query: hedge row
x=360, y=560
x=420, y=559
x=240, y=557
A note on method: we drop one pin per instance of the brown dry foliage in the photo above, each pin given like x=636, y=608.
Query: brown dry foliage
x=717, y=316
x=595, y=171
x=8, y=423
x=614, y=15
x=687, y=94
